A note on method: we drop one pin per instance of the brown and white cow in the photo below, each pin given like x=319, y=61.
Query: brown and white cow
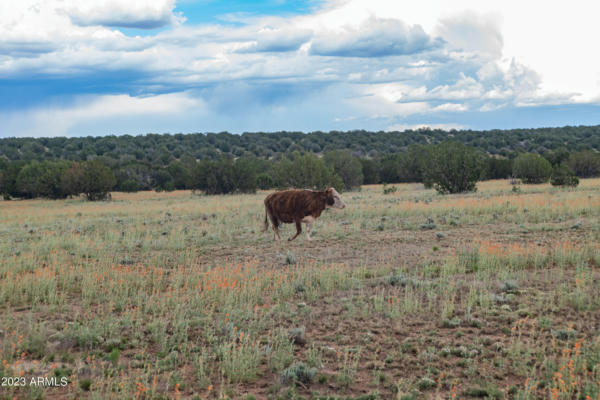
x=299, y=205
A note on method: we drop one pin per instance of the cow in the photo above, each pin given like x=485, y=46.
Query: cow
x=299, y=205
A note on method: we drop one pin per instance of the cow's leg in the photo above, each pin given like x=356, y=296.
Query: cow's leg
x=308, y=220
x=275, y=223
x=276, y=228
x=298, y=230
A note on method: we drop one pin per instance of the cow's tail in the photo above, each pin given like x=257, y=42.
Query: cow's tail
x=266, y=228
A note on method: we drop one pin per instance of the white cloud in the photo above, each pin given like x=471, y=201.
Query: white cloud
x=473, y=32
x=445, y=127
x=281, y=39
x=144, y=14
x=376, y=60
x=450, y=107
x=374, y=37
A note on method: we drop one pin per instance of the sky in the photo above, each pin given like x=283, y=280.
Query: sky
x=111, y=67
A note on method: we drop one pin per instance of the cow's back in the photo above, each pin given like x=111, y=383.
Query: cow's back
x=288, y=205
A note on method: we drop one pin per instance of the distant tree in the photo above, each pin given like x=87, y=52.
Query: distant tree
x=224, y=176
x=163, y=181
x=453, y=167
x=204, y=176
x=130, y=185
x=244, y=175
x=42, y=179
x=265, y=181
x=180, y=174
x=9, y=170
x=497, y=168
x=306, y=171
x=532, y=168
x=405, y=167
x=585, y=164
x=557, y=156
x=370, y=170
x=562, y=175
x=139, y=171
x=347, y=167
x=389, y=171
x=92, y=178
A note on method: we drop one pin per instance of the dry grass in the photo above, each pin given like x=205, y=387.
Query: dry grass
x=403, y=295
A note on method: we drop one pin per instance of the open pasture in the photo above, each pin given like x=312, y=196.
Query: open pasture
x=403, y=295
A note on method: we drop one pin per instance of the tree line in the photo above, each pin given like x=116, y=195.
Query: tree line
x=449, y=167
x=162, y=149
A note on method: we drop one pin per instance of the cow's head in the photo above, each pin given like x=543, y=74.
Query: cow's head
x=334, y=199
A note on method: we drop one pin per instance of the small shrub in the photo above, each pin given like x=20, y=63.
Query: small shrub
x=469, y=259
x=509, y=287
x=281, y=352
x=85, y=384
x=390, y=189
x=298, y=335
x=452, y=323
x=564, y=334
x=35, y=345
x=298, y=372
x=563, y=176
x=62, y=372
x=428, y=225
x=240, y=361
x=402, y=281
x=488, y=392
x=113, y=357
x=426, y=383
x=545, y=323
x=314, y=357
x=290, y=258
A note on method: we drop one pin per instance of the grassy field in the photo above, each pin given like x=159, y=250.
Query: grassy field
x=404, y=295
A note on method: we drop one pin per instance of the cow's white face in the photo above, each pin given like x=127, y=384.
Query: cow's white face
x=334, y=199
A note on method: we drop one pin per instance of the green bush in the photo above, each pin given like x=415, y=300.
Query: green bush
x=130, y=185
x=43, y=179
x=306, y=171
x=180, y=174
x=347, y=167
x=585, y=164
x=225, y=176
x=497, y=168
x=92, y=178
x=532, y=168
x=453, y=167
x=563, y=176
x=265, y=181
x=390, y=189
x=370, y=171
x=163, y=181
x=298, y=372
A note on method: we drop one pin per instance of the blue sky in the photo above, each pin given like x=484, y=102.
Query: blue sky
x=97, y=67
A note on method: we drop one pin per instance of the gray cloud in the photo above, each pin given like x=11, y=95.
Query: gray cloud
x=122, y=15
x=376, y=37
x=277, y=40
x=26, y=49
x=122, y=21
x=261, y=74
